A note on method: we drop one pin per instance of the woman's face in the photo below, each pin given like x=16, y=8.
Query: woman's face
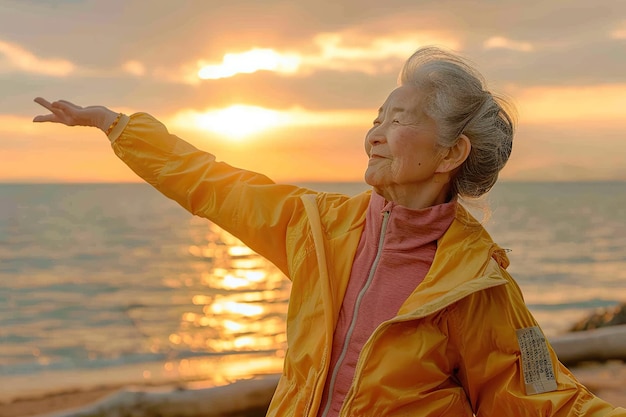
x=402, y=146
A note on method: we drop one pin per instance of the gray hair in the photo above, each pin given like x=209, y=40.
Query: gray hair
x=455, y=96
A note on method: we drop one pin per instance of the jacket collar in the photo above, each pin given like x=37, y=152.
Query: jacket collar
x=467, y=260
x=407, y=229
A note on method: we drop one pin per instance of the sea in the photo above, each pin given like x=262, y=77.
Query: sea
x=113, y=284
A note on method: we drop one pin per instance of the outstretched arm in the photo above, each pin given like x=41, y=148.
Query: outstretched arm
x=247, y=204
x=70, y=114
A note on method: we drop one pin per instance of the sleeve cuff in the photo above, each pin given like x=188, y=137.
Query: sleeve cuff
x=119, y=128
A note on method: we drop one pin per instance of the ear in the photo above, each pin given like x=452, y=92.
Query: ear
x=454, y=156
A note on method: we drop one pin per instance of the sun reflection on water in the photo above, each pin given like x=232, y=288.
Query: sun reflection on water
x=232, y=307
x=239, y=304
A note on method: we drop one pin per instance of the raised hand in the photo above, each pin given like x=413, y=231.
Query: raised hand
x=70, y=114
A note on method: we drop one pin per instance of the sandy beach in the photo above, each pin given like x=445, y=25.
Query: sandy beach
x=606, y=380
x=53, y=402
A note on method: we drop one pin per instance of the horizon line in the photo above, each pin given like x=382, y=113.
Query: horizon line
x=307, y=181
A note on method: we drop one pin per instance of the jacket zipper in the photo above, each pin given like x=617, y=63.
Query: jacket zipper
x=355, y=313
x=398, y=319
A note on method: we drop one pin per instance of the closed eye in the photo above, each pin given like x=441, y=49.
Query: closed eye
x=378, y=121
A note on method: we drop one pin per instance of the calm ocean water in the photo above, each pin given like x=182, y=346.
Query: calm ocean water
x=113, y=283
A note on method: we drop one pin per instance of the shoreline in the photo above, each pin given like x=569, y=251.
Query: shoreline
x=607, y=380
x=30, y=395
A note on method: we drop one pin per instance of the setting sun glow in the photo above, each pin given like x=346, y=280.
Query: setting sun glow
x=240, y=121
x=237, y=121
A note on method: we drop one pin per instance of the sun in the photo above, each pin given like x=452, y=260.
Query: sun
x=238, y=121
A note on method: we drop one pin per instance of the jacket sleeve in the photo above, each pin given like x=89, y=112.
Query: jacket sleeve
x=246, y=204
x=508, y=368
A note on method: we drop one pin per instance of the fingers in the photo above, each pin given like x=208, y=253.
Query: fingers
x=58, y=112
x=43, y=102
x=55, y=107
x=65, y=112
x=46, y=118
x=70, y=104
x=60, y=105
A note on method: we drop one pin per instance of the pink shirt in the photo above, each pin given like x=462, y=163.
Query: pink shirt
x=382, y=278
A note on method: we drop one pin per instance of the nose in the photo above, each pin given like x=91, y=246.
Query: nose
x=376, y=135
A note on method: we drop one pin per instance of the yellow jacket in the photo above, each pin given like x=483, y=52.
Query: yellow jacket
x=463, y=343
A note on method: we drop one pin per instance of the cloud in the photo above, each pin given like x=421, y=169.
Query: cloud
x=355, y=51
x=499, y=42
x=347, y=51
x=619, y=32
x=572, y=103
x=251, y=61
x=17, y=58
x=134, y=67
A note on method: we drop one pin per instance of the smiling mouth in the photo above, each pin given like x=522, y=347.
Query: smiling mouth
x=375, y=158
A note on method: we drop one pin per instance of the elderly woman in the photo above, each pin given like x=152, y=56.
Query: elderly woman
x=401, y=304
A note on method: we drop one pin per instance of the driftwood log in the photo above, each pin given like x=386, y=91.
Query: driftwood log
x=601, y=336
x=599, y=344
x=246, y=398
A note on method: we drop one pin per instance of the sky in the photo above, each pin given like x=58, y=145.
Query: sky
x=289, y=88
